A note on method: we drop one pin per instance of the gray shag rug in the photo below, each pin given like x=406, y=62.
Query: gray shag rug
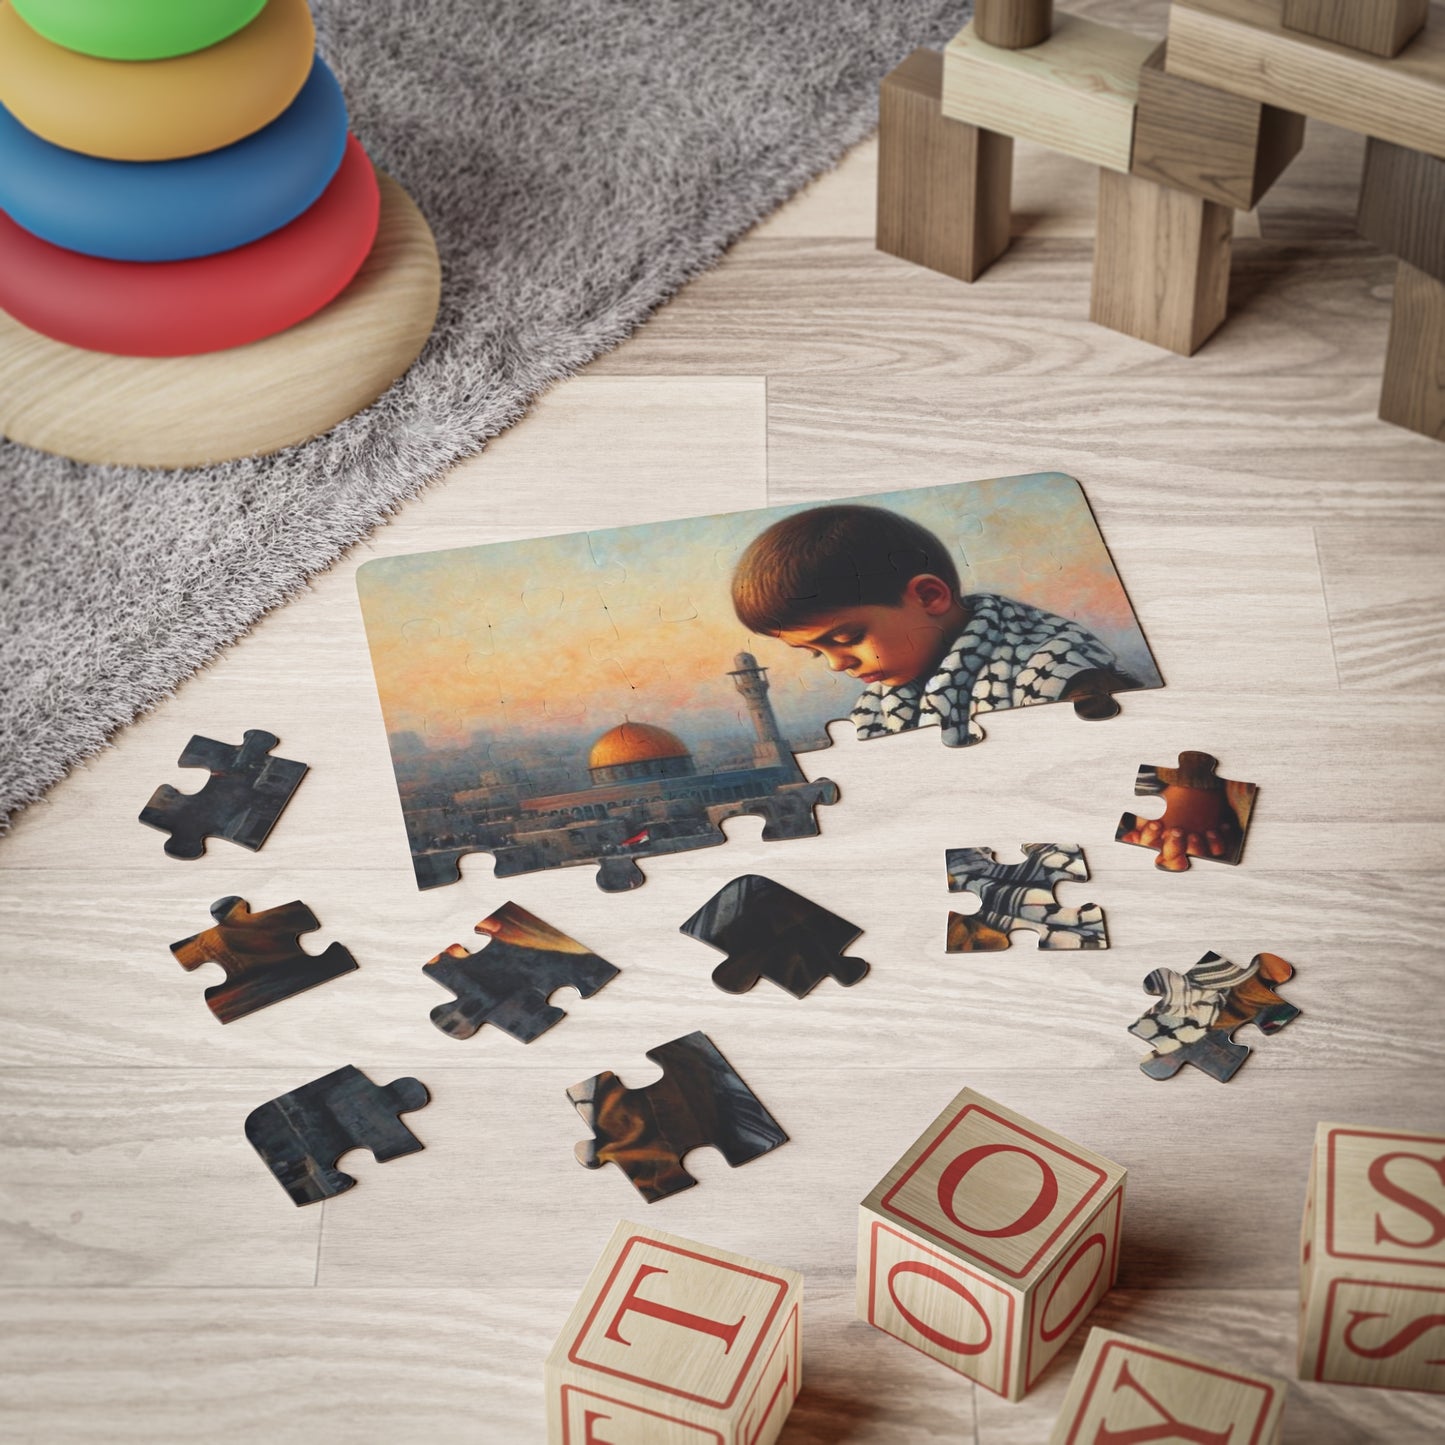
x=578, y=161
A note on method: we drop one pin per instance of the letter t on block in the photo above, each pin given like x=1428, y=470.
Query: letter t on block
x=1372, y=1260
x=676, y=1343
x=1127, y=1391
x=988, y=1243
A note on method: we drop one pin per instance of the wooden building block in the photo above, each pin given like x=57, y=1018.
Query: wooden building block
x=1372, y=1260
x=1402, y=205
x=1380, y=26
x=1242, y=46
x=1223, y=147
x=1074, y=93
x=1013, y=24
x=1161, y=263
x=1128, y=1389
x=943, y=186
x=988, y=1242
x=676, y=1343
x=1413, y=391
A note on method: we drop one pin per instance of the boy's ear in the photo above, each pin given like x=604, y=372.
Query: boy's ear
x=931, y=593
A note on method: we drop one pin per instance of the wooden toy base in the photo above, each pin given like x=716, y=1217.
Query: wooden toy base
x=186, y=411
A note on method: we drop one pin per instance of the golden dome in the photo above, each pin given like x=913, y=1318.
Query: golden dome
x=632, y=742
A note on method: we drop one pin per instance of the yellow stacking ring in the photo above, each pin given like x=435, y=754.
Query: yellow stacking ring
x=156, y=110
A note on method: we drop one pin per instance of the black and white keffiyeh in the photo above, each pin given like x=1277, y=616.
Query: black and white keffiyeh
x=1008, y=655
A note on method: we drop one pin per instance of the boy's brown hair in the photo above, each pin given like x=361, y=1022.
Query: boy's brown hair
x=826, y=558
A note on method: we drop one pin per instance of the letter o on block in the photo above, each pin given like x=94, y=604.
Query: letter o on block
x=988, y=1243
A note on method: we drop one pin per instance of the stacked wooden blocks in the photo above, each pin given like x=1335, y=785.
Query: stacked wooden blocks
x=988, y=1242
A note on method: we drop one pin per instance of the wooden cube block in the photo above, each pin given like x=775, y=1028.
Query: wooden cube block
x=1380, y=26
x=988, y=1242
x=1402, y=205
x=1074, y=92
x=1128, y=1389
x=1372, y=1260
x=1161, y=263
x=1223, y=147
x=943, y=186
x=676, y=1343
x=1413, y=391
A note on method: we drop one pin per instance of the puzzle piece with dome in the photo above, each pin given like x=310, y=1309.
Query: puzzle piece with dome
x=604, y=697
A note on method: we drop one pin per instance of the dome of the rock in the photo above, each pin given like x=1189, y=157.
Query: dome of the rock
x=638, y=750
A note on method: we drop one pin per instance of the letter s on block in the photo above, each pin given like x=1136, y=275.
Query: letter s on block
x=937, y=1276
x=1383, y=1184
x=1044, y=1200
x=1402, y=1339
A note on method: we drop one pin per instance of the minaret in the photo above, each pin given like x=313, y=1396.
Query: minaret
x=771, y=749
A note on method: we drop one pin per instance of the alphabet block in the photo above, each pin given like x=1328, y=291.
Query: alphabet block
x=1380, y=26
x=1126, y=1389
x=1073, y=92
x=988, y=1242
x=1372, y=1260
x=676, y=1343
x=943, y=186
x=1412, y=393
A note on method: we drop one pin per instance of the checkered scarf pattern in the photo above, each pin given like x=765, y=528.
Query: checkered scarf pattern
x=1008, y=655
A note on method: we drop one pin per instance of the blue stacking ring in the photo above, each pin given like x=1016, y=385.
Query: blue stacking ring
x=173, y=210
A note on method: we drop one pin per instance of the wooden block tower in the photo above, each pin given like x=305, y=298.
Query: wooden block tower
x=1372, y=1260
x=676, y=1342
x=1131, y=1390
x=988, y=1243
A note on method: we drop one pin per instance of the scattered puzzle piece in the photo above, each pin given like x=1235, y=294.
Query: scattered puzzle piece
x=241, y=801
x=769, y=931
x=1205, y=816
x=1021, y=895
x=261, y=954
x=507, y=982
x=700, y=1100
x=301, y=1135
x=1199, y=1011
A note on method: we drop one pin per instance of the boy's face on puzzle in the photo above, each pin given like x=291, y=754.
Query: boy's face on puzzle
x=890, y=644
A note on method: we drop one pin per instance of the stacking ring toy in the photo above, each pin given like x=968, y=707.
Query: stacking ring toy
x=180, y=308
x=137, y=29
x=171, y=210
x=156, y=110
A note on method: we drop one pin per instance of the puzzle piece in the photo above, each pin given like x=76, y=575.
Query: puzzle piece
x=1199, y=1011
x=241, y=801
x=700, y=1100
x=769, y=931
x=261, y=954
x=302, y=1135
x=1021, y=895
x=507, y=983
x=1205, y=816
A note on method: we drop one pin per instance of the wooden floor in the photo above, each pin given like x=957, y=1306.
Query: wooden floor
x=1282, y=548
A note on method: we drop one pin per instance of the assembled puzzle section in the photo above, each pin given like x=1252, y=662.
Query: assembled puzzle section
x=768, y=931
x=598, y=699
x=508, y=982
x=1205, y=816
x=301, y=1135
x=701, y=1100
x=1021, y=896
x=261, y=954
x=1372, y=1259
x=673, y=1342
x=1198, y=1012
x=1126, y=1389
x=241, y=800
x=988, y=1243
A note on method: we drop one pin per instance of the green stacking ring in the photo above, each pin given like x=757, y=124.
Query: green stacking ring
x=137, y=29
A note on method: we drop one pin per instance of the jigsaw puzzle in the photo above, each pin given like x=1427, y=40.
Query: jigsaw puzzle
x=769, y=931
x=1021, y=895
x=1205, y=816
x=700, y=1100
x=301, y=1135
x=507, y=983
x=241, y=800
x=1199, y=1011
x=261, y=954
x=602, y=698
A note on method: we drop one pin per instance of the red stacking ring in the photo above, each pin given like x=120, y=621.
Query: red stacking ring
x=180, y=308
